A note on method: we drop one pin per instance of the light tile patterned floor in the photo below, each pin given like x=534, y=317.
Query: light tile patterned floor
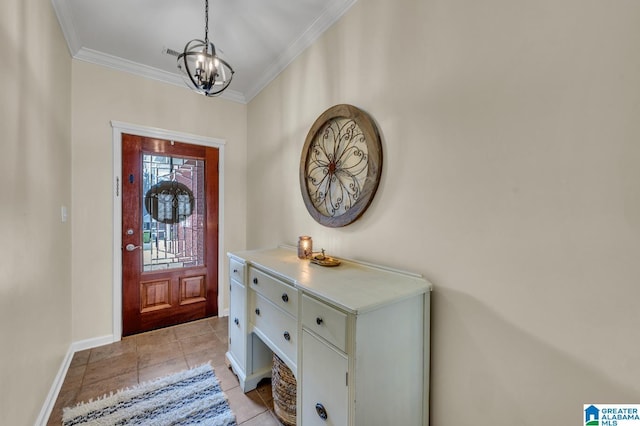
x=136, y=359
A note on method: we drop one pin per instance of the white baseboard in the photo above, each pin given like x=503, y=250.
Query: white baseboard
x=92, y=343
x=50, y=401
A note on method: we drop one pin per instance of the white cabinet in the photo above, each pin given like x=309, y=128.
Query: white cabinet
x=237, y=322
x=249, y=357
x=355, y=336
x=324, y=396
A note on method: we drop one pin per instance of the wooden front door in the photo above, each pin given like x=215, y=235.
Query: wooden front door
x=169, y=233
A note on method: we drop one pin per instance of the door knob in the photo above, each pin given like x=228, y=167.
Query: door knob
x=131, y=247
x=322, y=412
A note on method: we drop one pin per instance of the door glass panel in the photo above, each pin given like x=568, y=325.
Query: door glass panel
x=173, y=212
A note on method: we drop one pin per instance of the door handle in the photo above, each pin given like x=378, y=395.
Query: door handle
x=131, y=247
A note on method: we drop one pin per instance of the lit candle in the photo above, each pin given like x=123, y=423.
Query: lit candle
x=305, y=247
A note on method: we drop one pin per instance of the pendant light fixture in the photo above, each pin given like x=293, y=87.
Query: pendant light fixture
x=202, y=69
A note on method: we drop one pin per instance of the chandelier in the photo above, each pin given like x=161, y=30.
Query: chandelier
x=202, y=69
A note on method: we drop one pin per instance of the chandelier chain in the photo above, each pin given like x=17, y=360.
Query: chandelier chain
x=206, y=25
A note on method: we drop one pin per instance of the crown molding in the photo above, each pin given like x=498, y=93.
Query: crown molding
x=120, y=64
x=331, y=14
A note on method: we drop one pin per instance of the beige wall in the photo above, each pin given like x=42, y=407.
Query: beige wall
x=511, y=180
x=99, y=96
x=35, y=246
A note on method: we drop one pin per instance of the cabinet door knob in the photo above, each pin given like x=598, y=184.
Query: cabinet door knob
x=287, y=336
x=255, y=280
x=321, y=411
x=257, y=311
x=236, y=321
x=285, y=297
x=319, y=321
x=235, y=271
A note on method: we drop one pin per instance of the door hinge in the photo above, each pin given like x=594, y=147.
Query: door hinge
x=117, y=186
x=346, y=378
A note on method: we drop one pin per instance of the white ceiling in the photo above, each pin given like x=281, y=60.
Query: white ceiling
x=259, y=38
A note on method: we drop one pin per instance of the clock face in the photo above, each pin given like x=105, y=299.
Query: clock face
x=340, y=165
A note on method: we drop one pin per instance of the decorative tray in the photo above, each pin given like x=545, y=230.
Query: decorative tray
x=325, y=260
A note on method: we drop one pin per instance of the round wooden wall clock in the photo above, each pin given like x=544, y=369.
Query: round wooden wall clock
x=340, y=165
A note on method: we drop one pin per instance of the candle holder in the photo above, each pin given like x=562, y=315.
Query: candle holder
x=305, y=247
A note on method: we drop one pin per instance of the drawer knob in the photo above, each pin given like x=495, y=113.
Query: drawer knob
x=287, y=336
x=235, y=271
x=236, y=321
x=319, y=321
x=285, y=297
x=257, y=311
x=322, y=412
x=255, y=280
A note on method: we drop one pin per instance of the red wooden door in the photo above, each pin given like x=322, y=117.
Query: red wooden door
x=169, y=233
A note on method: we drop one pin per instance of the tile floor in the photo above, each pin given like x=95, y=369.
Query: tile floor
x=135, y=359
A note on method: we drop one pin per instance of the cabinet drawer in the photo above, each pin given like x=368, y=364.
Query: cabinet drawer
x=236, y=270
x=280, y=294
x=277, y=326
x=325, y=321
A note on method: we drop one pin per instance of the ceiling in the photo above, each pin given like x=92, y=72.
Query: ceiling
x=259, y=38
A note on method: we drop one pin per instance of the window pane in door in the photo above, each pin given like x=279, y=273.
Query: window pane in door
x=173, y=212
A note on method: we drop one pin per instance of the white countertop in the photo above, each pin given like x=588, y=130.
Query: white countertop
x=352, y=286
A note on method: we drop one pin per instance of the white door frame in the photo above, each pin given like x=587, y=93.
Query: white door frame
x=118, y=129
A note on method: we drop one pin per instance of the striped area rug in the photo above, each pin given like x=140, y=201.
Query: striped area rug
x=190, y=397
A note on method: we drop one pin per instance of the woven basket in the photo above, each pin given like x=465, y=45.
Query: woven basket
x=284, y=386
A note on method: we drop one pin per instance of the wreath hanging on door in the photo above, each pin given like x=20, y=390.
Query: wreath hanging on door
x=169, y=202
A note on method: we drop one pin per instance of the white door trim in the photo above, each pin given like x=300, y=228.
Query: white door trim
x=118, y=129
